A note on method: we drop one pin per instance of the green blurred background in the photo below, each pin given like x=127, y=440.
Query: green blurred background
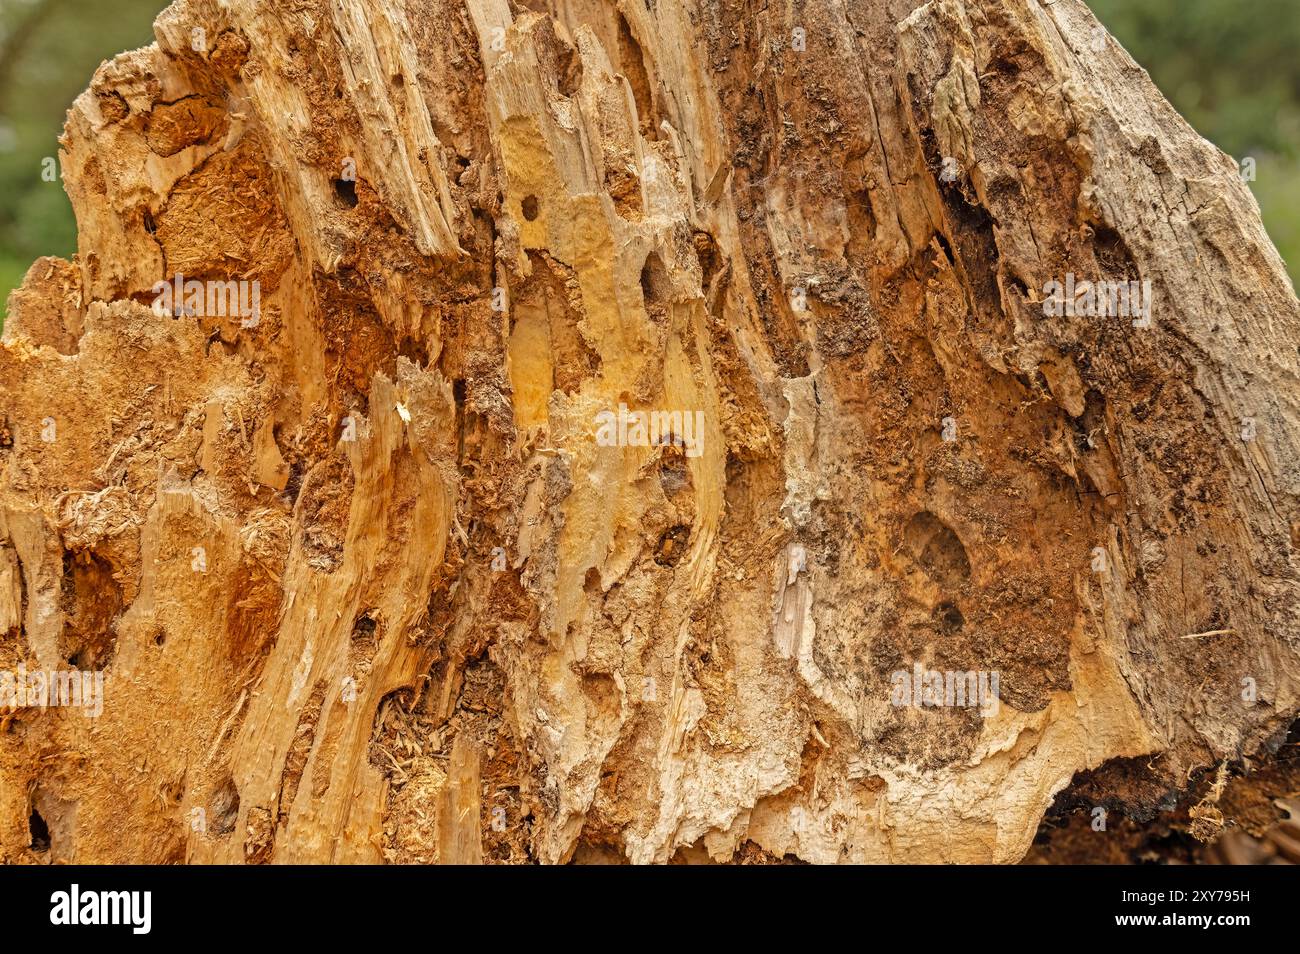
x=1232, y=67
x=49, y=49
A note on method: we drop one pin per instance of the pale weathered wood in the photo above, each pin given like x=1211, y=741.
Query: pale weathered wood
x=366, y=583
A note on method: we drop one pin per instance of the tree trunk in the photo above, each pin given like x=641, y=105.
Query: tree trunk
x=388, y=567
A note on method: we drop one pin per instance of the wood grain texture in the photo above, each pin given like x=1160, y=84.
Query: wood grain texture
x=436, y=618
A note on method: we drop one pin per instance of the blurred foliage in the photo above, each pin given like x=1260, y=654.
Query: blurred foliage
x=1232, y=67
x=49, y=49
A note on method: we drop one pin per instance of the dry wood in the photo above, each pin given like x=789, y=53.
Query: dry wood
x=364, y=582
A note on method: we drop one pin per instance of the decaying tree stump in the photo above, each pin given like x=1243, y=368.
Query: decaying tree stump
x=968, y=355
